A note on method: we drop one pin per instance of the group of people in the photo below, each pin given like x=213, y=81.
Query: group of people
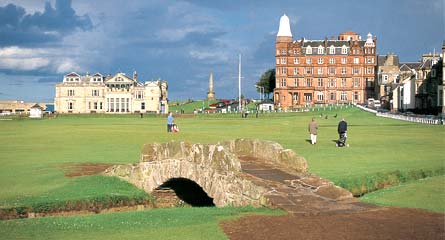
x=342, y=129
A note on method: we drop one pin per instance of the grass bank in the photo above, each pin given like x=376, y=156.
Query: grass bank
x=178, y=223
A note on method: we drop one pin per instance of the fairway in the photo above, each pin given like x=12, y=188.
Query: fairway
x=34, y=155
x=33, y=152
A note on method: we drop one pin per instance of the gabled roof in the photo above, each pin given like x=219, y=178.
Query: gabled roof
x=37, y=106
x=122, y=76
x=72, y=74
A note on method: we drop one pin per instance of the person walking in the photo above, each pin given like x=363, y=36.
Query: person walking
x=169, y=122
x=342, y=132
x=313, y=127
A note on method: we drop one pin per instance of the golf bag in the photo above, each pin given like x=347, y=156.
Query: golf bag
x=342, y=140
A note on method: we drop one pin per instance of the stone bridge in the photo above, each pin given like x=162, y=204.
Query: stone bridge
x=237, y=173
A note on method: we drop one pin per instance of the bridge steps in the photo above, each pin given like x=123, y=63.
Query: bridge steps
x=299, y=193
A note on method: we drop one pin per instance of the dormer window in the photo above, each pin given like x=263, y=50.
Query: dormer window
x=309, y=50
x=320, y=50
x=332, y=50
x=344, y=50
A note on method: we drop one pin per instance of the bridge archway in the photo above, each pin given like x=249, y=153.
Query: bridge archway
x=187, y=191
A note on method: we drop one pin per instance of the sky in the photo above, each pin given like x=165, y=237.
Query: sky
x=183, y=41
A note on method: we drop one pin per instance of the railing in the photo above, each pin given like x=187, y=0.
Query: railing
x=411, y=119
x=403, y=117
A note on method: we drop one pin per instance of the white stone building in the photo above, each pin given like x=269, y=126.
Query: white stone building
x=111, y=94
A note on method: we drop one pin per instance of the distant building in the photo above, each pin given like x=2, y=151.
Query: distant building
x=36, y=111
x=111, y=94
x=310, y=72
x=387, y=75
x=17, y=107
x=419, y=87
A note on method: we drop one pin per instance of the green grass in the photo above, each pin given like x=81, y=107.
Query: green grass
x=426, y=193
x=179, y=223
x=189, y=107
x=33, y=153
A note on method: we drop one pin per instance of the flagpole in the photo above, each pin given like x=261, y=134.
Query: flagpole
x=239, y=83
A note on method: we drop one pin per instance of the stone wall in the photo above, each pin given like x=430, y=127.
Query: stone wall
x=215, y=167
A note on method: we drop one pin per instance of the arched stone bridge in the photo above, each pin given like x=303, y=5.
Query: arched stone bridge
x=238, y=172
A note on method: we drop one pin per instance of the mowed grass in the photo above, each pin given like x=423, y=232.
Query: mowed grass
x=180, y=223
x=426, y=193
x=33, y=152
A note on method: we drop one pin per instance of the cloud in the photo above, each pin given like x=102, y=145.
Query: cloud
x=20, y=29
x=49, y=79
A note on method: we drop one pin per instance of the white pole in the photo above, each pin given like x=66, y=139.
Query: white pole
x=239, y=83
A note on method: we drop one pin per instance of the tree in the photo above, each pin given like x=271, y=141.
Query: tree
x=267, y=81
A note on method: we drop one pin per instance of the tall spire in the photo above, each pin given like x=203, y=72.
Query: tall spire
x=211, y=92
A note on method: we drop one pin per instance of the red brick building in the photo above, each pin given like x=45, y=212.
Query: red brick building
x=311, y=72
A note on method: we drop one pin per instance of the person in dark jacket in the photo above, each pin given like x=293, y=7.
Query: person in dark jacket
x=342, y=130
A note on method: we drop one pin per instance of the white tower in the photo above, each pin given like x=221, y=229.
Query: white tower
x=211, y=93
x=284, y=30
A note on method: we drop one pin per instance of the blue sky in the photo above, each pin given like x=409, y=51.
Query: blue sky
x=182, y=41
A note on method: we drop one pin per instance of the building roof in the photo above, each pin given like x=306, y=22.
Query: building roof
x=36, y=106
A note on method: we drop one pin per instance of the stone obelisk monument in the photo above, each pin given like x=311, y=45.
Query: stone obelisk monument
x=211, y=93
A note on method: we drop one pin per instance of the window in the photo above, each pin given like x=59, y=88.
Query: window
x=320, y=71
x=356, y=82
x=343, y=70
x=331, y=60
x=142, y=106
x=100, y=105
x=356, y=96
x=332, y=50
x=296, y=61
x=95, y=105
x=343, y=60
x=139, y=94
x=296, y=82
x=70, y=92
x=369, y=60
x=331, y=70
x=278, y=61
x=95, y=93
x=356, y=60
x=356, y=70
x=309, y=50
x=283, y=52
x=343, y=82
x=308, y=82
x=70, y=106
x=320, y=60
x=320, y=82
x=309, y=70
x=296, y=72
x=295, y=97
x=332, y=96
x=344, y=50
x=283, y=82
x=369, y=70
x=433, y=72
x=320, y=50
x=332, y=82
x=283, y=70
x=320, y=96
x=283, y=60
x=369, y=82
x=308, y=60
x=344, y=96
